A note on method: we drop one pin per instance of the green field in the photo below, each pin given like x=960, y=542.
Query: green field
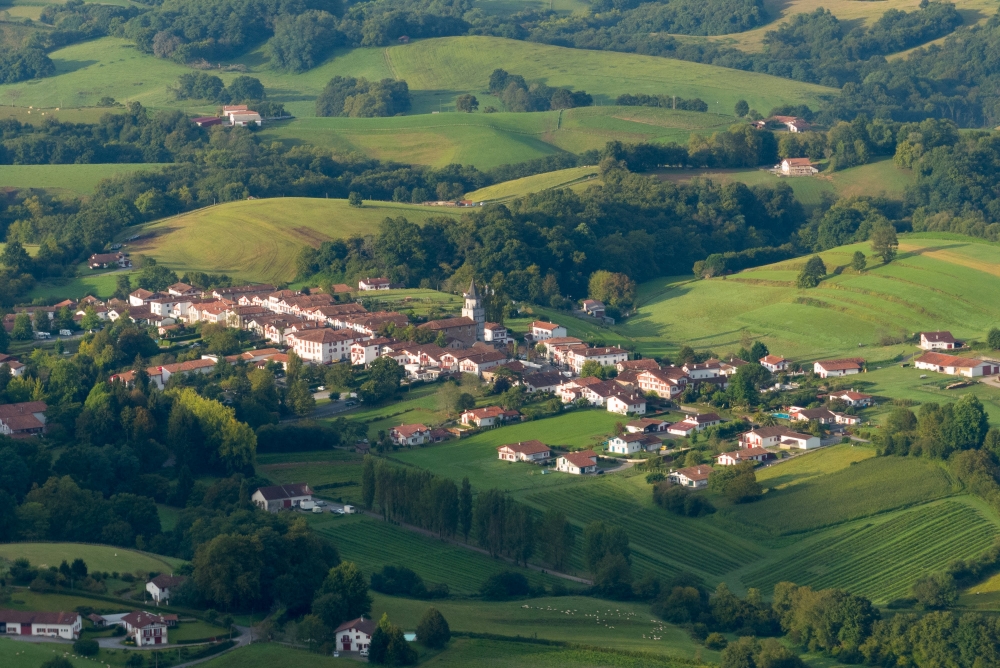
x=372, y=544
x=437, y=70
x=16, y=654
x=98, y=557
x=572, y=619
x=258, y=240
x=937, y=282
x=100, y=284
x=562, y=178
x=75, y=179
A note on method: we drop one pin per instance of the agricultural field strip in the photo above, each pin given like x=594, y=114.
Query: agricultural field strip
x=930, y=535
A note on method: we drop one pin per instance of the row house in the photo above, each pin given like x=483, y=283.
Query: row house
x=239, y=317
x=666, y=383
x=328, y=312
x=237, y=291
x=297, y=302
x=183, y=290
x=496, y=334
x=645, y=364
x=322, y=345
x=541, y=331
x=542, y=381
x=369, y=323
x=613, y=396
x=365, y=352
x=610, y=356
x=462, y=331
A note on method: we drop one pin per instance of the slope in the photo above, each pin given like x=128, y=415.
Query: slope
x=937, y=282
x=259, y=240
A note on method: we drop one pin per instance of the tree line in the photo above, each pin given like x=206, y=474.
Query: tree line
x=518, y=96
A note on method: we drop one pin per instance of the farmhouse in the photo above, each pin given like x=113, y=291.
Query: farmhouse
x=821, y=415
x=593, y=308
x=541, y=331
x=692, y=476
x=577, y=463
x=23, y=419
x=773, y=363
x=610, y=356
x=145, y=628
x=410, y=434
x=646, y=426
x=546, y=381
x=160, y=586
x=525, y=451
x=956, y=366
x=368, y=284
x=491, y=416
x=798, y=167
x=844, y=367
x=281, y=497
x=64, y=625
x=852, y=398
x=694, y=423
x=245, y=118
x=937, y=341
x=783, y=437
x=792, y=123
x=355, y=635
x=105, y=260
x=365, y=352
x=626, y=444
x=744, y=455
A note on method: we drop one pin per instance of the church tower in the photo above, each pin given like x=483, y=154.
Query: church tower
x=474, y=310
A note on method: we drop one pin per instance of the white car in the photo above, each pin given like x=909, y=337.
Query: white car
x=364, y=651
x=317, y=509
x=339, y=511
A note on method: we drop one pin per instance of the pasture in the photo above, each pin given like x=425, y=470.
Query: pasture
x=258, y=240
x=72, y=179
x=936, y=282
x=562, y=178
x=437, y=70
x=573, y=619
x=372, y=544
x=99, y=284
x=98, y=557
x=489, y=140
x=16, y=654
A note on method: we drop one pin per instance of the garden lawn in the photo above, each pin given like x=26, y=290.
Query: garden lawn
x=259, y=240
x=98, y=557
x=476, y=456
x=573, y=619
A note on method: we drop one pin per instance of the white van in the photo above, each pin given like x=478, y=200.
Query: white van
x=317, y=509
x=349, y=510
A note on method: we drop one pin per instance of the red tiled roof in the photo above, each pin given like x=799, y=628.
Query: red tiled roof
x=940, y=359
x=23, y=408
x=700, y=472
x=526, y=447
x=140, y=619
x=842, y=365
x=407, y=430
x=938, y=337
x=549, y=326
x=366, y=626
x=581, y=459
x=31, y=617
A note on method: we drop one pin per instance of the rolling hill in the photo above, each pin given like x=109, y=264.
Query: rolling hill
x=938, y=281
x=258, y=240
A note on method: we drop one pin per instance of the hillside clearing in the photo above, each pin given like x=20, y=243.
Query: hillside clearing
x=98, y=557
x=75, y=179
x=258, y=240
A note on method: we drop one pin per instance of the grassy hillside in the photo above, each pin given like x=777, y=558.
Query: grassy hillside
x=937, y=282
x=98, y=557
x=488, y=140
x=75, y=179
x=437, y=70
x=563, y=178
x=259, y=239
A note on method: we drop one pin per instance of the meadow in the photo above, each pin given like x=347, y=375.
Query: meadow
x=71, y=179
x=258, y=240
x=936, y=282
x=98, y=557
x=372, y=544
x=437, y=70
x=16, y=654
x=85, y=283
x=562, y=178
x=489, y=140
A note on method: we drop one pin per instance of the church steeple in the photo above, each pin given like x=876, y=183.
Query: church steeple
x=474, y=310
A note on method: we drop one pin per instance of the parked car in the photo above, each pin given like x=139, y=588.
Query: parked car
x=348, y=404
x=317, y=509
x=364, y=651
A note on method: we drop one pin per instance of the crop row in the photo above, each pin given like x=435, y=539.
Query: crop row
x=882, y=561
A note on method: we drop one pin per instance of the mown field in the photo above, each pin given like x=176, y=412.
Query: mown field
x=563, y=178
x=937, y=282
x=73, y=179
x=258, y=240
x=437, y=70
x=488, y=140
x=85, y=283
x=98, y=557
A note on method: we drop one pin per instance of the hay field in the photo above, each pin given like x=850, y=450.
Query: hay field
x=74, y=179
x=258, y=240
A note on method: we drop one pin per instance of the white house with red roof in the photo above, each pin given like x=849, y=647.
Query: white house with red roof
x=282, y=497
x=743, y=455
x=852, y=398
x=410, y=434
x=778, y=437
x=937, y=341
x=145, y=628
x=577, y=463
x=369, y=284
x=798, y=166
x=694, y=423
x=834, y=368
x=496, y=334
x=65, y=625
x=952, y=365
x=774, y=363
x=666, y=383
x=160, y=586
x=323, y=346
x=646, y=426
x=540, y=331
x=692, y=476
x=23, y=419
x=607, y=356
x=629, y=443
x=490, y=416
x=524, y=451
x=355, y=635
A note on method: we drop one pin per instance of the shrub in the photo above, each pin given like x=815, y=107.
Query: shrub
x=504, y=585
x=433, y=630
x=398, y=581
x=716, y=641
x=86, y=647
